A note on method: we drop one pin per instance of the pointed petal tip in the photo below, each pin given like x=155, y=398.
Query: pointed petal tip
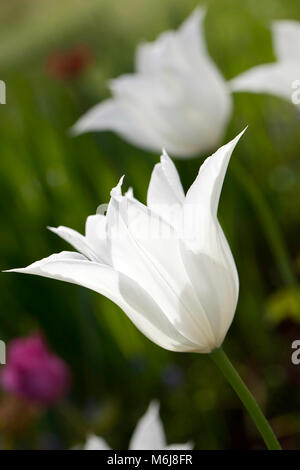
x=164, y=155
x=154, y=404
x=193, y=22
x=242, y=132
x=52, y=229
x=57, y=230
x=14, y=270
x=234, y=141
x=198, y=13
x=117, y=190
x=121, y=181
x=228, y=147
x=73, y=131
x=129, y=193
x=200, y=9
x=79, y=127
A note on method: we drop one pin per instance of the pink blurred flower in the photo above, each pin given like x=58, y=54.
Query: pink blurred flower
x=69, y=64
x=33, y=372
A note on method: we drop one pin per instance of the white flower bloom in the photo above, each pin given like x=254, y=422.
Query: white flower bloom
x=148, y=435
x=177, y=98
x=168, y=265
x=278, y=78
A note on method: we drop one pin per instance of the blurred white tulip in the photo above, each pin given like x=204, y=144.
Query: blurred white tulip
x=281, y=78
x=168, y=265
x=177, y=98
x=148, y=435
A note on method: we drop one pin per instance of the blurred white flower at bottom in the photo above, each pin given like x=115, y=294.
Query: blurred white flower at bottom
x=148, y=435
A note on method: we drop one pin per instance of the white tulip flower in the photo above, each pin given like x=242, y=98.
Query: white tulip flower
x=167, y=265
x=148, y=435
x=281, y=78
x=177, y=98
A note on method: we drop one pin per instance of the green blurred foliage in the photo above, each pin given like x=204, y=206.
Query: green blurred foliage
x=284, y=304
x=48, y=178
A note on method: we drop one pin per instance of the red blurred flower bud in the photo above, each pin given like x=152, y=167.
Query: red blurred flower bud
x=69, y=64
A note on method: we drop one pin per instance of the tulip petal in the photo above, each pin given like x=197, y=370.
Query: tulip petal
x=165, y=185
x=149, y=433
x=286, y=39
x=155, y=263
x=121, y=117
x=163, y=250
x=192, y=37
x=274, y=79
x=165, y=193
x=95, y=235
x=78, y=241
x=205, y=252
x=216, y=289
x=202, y=198
x=211, y=96
x=37, y=266
x=196, y=109
x=170, y=46
x=95, y=443
x=150, y=100
x=142, y=310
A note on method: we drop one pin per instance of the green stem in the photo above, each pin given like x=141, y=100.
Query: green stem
x=224, y=364
x=268, y=222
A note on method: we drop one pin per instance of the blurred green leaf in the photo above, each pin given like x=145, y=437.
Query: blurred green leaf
x=282, y=305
